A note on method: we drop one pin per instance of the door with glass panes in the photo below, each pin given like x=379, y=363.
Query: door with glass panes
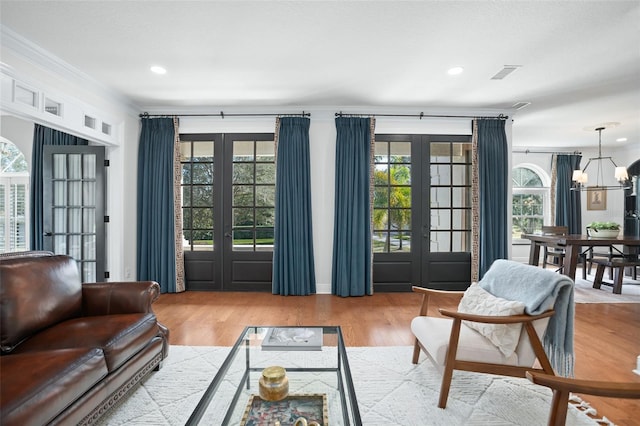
x=228, y=197
x=422, y=212
x=73, y=206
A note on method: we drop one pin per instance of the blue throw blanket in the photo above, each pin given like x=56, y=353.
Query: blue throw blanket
x=540, y=290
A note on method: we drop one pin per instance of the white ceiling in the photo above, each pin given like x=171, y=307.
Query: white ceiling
x=580, y=60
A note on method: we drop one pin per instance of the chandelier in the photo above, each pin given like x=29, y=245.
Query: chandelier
x=580, y=177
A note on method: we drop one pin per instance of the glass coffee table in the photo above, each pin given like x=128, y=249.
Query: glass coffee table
x=317, y=375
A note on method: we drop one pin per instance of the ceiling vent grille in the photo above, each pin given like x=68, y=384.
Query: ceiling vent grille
x=520, y=105
x=508, y=69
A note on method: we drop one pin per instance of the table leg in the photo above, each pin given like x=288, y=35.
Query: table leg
x=534, y=254
x=571, y=260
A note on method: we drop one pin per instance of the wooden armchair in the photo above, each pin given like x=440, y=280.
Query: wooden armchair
x=562, y=386
x=453, y=347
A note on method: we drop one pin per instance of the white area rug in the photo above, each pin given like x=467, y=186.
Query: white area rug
x=585, y=293
x=390, y=390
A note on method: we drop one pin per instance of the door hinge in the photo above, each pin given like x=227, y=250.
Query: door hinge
x=106, y=219
x=106, y=163
x=106, y=274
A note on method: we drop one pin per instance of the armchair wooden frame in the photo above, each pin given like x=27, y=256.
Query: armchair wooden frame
x=451, y=363
x=562, y=386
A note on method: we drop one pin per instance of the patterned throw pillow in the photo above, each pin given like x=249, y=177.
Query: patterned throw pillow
x=478, y=301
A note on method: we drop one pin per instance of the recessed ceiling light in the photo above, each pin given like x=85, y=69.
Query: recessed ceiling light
x=621, y=140
x=156, y=69
x=455, y=71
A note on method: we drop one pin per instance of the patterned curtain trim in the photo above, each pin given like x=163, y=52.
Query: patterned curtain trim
x=276, y=136
x=554, y=178
x=475, y=206
x=372, y=149
x=177, y=209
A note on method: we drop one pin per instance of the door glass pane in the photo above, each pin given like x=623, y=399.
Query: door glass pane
x=243, y=150
x=440, y=219
x=202, y=196
x=440, y=197
x=88, y=272
x=59, y=193
x=461, y=197
x=440, y=241
x=75, y=246
x=265, y=196
x=75, y=193
x=59, y=220
x=75, y=220
x=89, y=220
x=202, y=218
x=243, y=195
x=89, y=166
x=440, y=152
x=461, y=174
x=440, y=174
x=461, y=241
x=266, y=173
x=89, y=193
x=392, y=197
x=75, y=166
x=202, y=173
x=89, y=247
x=265, y=151
x=59, y=244
x=59, y=166
x=243, y=173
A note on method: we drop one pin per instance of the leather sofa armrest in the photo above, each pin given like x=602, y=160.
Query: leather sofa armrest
x=107, y=298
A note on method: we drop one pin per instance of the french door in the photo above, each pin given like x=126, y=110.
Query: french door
x=228, y=193
x=73, y=206
x=422, y=212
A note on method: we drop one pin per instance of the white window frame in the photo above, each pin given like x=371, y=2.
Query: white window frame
x=544, y=190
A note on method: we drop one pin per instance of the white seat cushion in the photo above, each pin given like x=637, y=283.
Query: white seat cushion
x=433, y=333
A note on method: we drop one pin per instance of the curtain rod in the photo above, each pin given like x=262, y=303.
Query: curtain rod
x=527, y=151
x=222, y=115
x=420, y=116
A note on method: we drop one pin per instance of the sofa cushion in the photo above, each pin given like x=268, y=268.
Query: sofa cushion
x=119, y=336
x=36, y=387
x=36, y=293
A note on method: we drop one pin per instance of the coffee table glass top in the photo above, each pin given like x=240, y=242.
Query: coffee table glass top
x=309, y=371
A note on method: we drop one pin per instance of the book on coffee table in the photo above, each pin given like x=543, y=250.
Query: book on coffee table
x=293, y=339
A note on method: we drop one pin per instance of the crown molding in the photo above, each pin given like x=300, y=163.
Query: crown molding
x=45, y=60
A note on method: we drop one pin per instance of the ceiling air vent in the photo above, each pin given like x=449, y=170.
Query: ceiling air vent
x=520, y=105
x=508, y=69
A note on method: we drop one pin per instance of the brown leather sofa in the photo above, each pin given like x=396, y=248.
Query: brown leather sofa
x=70, y=351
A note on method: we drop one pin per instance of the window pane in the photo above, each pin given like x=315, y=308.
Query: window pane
x=265, y=217
x=202, y=151
x=440, y=152
x=380, y=242
x=401, y=219
x=202, y=196
x=202, y=173
x=242, y=217
x=440, y=174
x=186, y=173
x=380, y=219
x=461, y=174
x=400, y=242
x=381, y=152
x=243, y=173
x=202, y=218
x=265, y=196
x=401, y=175
x=381, y=196
x=440, y=219
x=400, y=152
x=266, y=173
x=202, y=240
x=440, y=197
x=461, y=197
x=440, y=241
x=243, y=150
x=461, y=241
x=243, y=195
x=186, y=218
x=461, y=219
x=400, y=196
x=265, y=151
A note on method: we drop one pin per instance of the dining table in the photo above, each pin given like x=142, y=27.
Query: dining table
x=574, y=244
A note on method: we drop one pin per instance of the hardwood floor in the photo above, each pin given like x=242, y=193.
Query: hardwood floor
x=607, y=336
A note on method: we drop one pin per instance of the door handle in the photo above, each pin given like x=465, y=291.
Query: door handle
x=48, y=234
x=227, y=234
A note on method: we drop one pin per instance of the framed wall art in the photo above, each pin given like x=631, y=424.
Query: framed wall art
x=596, y=199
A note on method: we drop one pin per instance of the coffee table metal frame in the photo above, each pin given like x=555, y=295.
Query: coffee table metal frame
x=344, y=383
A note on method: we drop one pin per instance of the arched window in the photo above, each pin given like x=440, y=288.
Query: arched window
x=14, y=198
x=530, y=205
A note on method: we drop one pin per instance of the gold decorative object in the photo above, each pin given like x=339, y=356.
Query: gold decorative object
x=273, y=384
